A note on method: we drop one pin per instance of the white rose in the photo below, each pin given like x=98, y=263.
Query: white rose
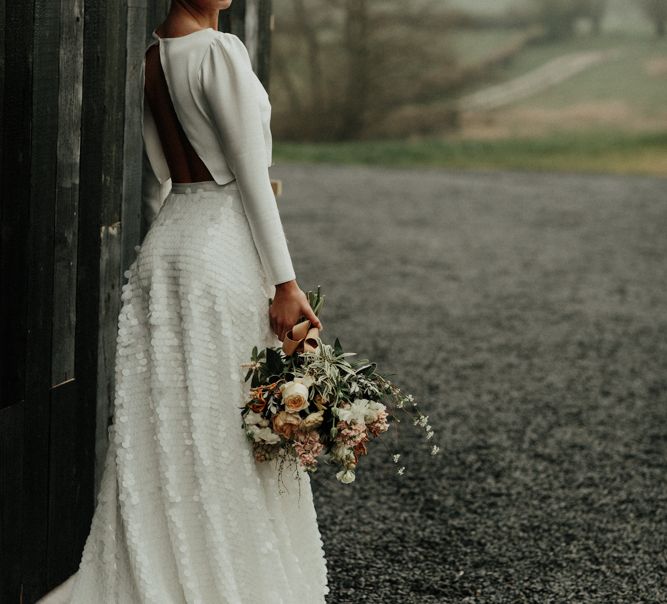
x=295, y=395
x=345, y=476
x=360, y=411
x=253, y=418
x=267, y=435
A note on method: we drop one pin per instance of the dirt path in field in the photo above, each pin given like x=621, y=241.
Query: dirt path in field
x=537, y=80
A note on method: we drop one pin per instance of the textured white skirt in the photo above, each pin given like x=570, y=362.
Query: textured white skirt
x=184, y=513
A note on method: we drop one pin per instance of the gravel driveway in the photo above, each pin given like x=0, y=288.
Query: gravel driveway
x=527, y=313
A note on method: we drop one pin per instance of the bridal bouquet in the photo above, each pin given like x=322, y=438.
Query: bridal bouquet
x=310, y=402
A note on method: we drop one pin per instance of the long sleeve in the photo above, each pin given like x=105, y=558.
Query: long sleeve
x=231, y=94
x=153, y=194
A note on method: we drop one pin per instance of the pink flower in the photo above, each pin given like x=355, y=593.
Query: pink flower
x=380, y=424
x=351, y=434
x=308, y=447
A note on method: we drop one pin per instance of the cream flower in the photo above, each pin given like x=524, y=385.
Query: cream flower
x=360, y=411
x=341, y=452
x=263, y=435
x=295, y=395
x=268, y=436
x=345, y=476
x=286, y=424
x=253, y=418
x=312, y=420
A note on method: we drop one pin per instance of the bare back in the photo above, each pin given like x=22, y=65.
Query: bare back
x=184, y=163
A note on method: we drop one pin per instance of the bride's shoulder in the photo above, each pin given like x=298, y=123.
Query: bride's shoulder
x=226, y=41
x=227, y=44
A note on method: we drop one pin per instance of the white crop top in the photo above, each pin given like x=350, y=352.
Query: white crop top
x=225, y=113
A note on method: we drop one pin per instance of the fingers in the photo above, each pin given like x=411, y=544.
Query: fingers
x=281, y=324
x=310, y=315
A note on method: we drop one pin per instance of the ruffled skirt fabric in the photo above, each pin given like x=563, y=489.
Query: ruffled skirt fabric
x=184, y=513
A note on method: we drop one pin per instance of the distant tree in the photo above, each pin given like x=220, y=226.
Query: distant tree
x=348, y=68
x=595, y=11
x=656, y=11
x=559, y=17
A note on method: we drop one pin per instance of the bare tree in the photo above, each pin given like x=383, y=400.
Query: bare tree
x=559, y=17
x=595, y=11
x=345, y=67
x=656, y=11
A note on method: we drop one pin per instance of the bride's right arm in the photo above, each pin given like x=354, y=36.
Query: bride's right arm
x=230, y=91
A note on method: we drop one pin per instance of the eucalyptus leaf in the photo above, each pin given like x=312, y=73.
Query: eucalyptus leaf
x=274, y=362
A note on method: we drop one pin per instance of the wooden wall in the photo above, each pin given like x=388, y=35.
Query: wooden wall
x=70, y=189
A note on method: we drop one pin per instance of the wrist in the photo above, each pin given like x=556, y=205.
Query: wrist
x=287, y=285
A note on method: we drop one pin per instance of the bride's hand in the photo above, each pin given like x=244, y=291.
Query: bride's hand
x=288, y=306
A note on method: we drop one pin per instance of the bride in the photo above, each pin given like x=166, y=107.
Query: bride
x=184, y=513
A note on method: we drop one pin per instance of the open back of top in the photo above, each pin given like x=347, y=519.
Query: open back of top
x=184, y=163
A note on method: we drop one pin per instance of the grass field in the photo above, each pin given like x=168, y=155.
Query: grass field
x=637, y=77
x=625, y=93
x=589, y=152
x=621, y=15
x=611, y=117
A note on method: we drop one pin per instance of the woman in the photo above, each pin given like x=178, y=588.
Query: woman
x=184, y=512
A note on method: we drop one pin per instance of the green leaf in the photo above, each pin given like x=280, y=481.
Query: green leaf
x=368, y=369
x=274, y=362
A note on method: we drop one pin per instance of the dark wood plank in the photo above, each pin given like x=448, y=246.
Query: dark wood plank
x=3, y=14
x=132, y=154
x=111, y=251
x=88, y=249
x=264, y=25
x=156, y=12
x=67, y=533
x=43, y=151
x=16, y=101
x=109, y=307
x=67, y=191
x=15, y=199
x=234, y=19
x=11, y=487
x=64, y=542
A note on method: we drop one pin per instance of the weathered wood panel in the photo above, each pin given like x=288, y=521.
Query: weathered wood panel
x=91, y=187
x=155, y=14
x=3, y=14
x=111, y=209
x=15, y=198
x=11, y=487
x=67, y=190
x=14, y=214
x=66, y=530
x=43, y=149
x=264, y=28
x=233, y=19
x=131, y=209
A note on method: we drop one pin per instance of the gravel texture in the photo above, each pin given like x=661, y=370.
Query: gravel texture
x=527, y=314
